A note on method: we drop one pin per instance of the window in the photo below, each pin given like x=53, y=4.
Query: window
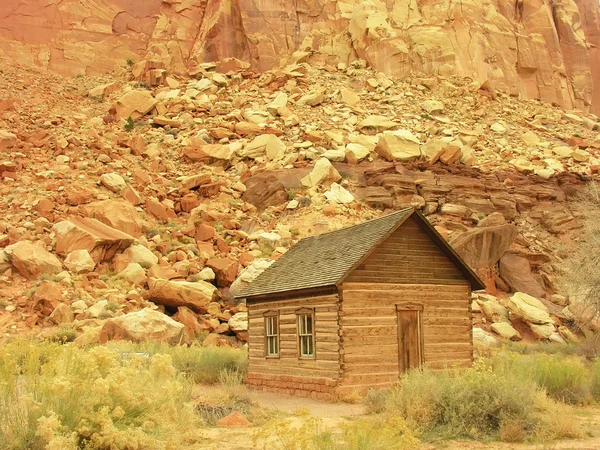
x=306, y=339
x=272, y=335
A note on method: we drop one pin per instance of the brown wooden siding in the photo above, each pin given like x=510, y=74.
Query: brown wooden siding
x=407, y=256
x=326, y=363
x=369, y=346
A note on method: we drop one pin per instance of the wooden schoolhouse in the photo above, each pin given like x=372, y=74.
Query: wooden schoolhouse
x=353, y=309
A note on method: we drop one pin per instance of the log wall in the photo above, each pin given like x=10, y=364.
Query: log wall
x=369, y=345
x=290, y=374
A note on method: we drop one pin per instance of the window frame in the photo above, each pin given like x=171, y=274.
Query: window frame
x=306, y=312
x=269, y=315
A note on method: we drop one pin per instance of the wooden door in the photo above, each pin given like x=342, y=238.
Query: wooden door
x=410, y=342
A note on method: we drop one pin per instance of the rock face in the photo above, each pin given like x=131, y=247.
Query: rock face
x=554, y=55
x=146, y=325
x=31, y=260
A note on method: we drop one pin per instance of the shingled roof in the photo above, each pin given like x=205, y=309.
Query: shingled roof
x=323, y=260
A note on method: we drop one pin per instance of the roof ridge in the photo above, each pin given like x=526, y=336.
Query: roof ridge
x=370, y=221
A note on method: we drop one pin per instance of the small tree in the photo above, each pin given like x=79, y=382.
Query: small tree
x=580, y=274
x=129, y=125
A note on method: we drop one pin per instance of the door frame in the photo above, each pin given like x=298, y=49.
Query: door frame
x=410, y=306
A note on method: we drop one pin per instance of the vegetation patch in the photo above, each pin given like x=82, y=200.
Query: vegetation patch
x=56, y=396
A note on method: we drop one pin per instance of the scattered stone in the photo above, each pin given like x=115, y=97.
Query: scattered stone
x=233, y=419
x=506, y=331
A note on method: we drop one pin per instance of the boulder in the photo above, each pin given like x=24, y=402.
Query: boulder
x=113, y=182
x=506, y=331
x=79, y=261
x=322, y=174
x=494, y=311
x=529, y=309
x=265, y=145
x=136, y=254
x=134, y=104
x=200, y=151
x=225, y=269
x=239, y=325
x=249, y=274
x=542, y=331
x=349, y=97
x=117, y=213
x=195, y=295
x=191, y=322
x=375, y=124
x=264, y=190
x=7, y=139
x=337, y=194
x=4, y=262
x=62, y=314
x=399, y=145
x=133, y=273
x=356, y=152
x=482, y=338
x=483, y=247
x=101, y=241
x=32, y=260
x=233, y=419
x=516, y=273
x=48, y=293
x=146, y=325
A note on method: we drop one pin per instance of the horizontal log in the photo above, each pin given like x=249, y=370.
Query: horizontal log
x=434, y=288
x=389, y=348
x=371, y=369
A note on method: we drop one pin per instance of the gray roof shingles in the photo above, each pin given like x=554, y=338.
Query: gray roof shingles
x=323, y=260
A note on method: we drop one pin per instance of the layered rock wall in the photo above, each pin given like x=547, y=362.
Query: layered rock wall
x=546, y=49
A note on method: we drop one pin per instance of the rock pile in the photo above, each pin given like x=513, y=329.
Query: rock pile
x=221, y=172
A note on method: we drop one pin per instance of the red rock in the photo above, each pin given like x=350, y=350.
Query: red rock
x=189, y=202
x=78, y=196
x=159, y=211
x=132, y=196
x=204, y=232
x=245, y=259
x=189, y=319
x=234, y=419
x=516, y=272
x=225, y=269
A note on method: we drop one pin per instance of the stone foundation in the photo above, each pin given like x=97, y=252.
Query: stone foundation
x=313, y=387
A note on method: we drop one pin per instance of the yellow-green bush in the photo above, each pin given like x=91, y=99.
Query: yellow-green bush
x=565, y=378
x=476, y=403
x=61, y=397
x=200, y=364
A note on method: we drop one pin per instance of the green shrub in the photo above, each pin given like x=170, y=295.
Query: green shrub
x=56, y=396
x=565, y=378
x=129, y=125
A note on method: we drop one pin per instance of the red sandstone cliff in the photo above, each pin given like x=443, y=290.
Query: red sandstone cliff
x=547, y=49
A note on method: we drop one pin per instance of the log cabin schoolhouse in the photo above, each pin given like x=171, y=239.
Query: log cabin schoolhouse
x=353, y=309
